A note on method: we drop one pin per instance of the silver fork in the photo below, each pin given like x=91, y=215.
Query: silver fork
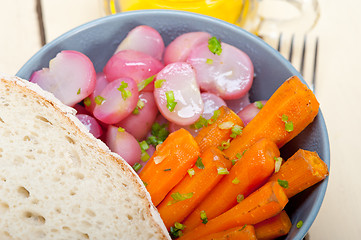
x=111, y=6
x=303, y=57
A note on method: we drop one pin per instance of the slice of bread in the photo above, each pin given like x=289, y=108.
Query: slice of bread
x=59, y=182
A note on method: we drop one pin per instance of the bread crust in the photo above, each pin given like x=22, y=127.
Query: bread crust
x=70, y=121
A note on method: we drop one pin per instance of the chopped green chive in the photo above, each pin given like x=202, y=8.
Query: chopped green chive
x=244, y=226
x=87, y=101
x=234, y=161
x=235, y=180
x=159, y=134
x=278, y=162
x=215, y=116
x=299, y=224
x=209, y=61
x=145, y=184
x=224, y=145
x=120, y=129
x=122, y=88
x=78, y=92
x=204, y=217
x=144, y=145
x=199, y=163
x=258, y=104
x=167, y=170
x=144, y=156
x=236, y=130
x=176, y=231
x=283, y=183
x=201, y=122
x=240, y=198
x=177, y=197
x=191, y=172
x=222, y=171
x=226, y=125
x=284, y=118
x=171, y=103
x=214, y=45
x=99, y=100
x=145, y=83
x=288, y=124
x=159, y=83
x=140, y=106
x=137, y=167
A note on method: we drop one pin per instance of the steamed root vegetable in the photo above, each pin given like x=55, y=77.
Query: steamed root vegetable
x=132, y=64
x=245, y=232
x=218, y=132
x=273, y=227
x=91, y=124
x=169, y=164
x=177, y=94
x=199, y=181
x=179, y=49
x=229, y=74
x=249, y=172
x=124, y=144
x=100, y=84
x=289, y=110
x=116, y=101
x=70, y=77
x=143, y=39
x=250, y=111
x=264, y=203
x=301, y=171
x=143, y=115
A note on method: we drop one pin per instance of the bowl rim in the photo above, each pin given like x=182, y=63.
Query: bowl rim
x=322, y=186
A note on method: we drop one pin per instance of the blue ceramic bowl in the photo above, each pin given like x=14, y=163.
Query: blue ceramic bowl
x=99, y=39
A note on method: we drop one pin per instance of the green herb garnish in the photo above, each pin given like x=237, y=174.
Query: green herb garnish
x=176, y=230
x=288, y=124
x=283, y=183
x=204, y=217
x=226, y=125
x=214, y=45
x=240, y=198
x=191, y=172
x=278, y=162
x=122, y=88
x=171, y=103
x=236, y=130
x=177, y=197
x=99, y=100
x=235, y=180
x=258, y=104
x=222, y=171
x=145, y=83
x=299, y=224
x=87, y=101
x=78, y=92
x=215, y=116
x=209, y=61
x=201, y=122
x=199, y=164
x=120, y=129
x=140, y=106
x=167, y=170
x=158, y=134
x=159, y=83
x=144, y=156
x=137, y=167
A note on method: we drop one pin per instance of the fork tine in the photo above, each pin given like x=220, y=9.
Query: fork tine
x=291, y=48
x=279, y=43
x=302, y=66
x=315, y=67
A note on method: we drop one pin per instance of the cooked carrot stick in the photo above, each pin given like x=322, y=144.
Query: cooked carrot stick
x=213, y=135
x=199, y=182
x=245, y=232
x=301, y=171
x=289, y=110
x=250, y=172
x=273, y=227
x=264, y=203
x=169, y=164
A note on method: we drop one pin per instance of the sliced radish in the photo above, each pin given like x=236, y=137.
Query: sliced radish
x=124, y=144
x=179, y=49
x=177, y=95
x=133, y=64
x=144, y=115
x=70, y=77
x=143, y=39
x=174, y=127
x=101, y=82
x=229, y=75
x=91, y=124
x=117, y=100
x=250, y=111
x=80, y=109
x=238, y=104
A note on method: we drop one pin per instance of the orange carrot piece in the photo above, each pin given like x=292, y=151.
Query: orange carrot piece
x=245, y=232
x=213, y=135
x=302, y=170
x=200, y=184
x=273, y=227
x=250, y=172
x=169, y=164
x=264, y=203
x=293, y=103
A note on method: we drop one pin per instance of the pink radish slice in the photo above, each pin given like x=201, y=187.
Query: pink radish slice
x=101, y=82
x=140, y=124
x=238, y=104
x=179, y=49
x=211, y=103
x=228, y=75
x=179, y=79
x=124, y=144
x=70, y=77
x=143, y=39
x=114, y=106
x=249, y=112
x=91, y=124
x=132, y=64
x=80, y=109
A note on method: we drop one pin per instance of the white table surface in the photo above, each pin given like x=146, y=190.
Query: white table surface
x=338, y=89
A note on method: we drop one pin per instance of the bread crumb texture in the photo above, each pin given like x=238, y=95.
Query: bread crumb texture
x=56, y=182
